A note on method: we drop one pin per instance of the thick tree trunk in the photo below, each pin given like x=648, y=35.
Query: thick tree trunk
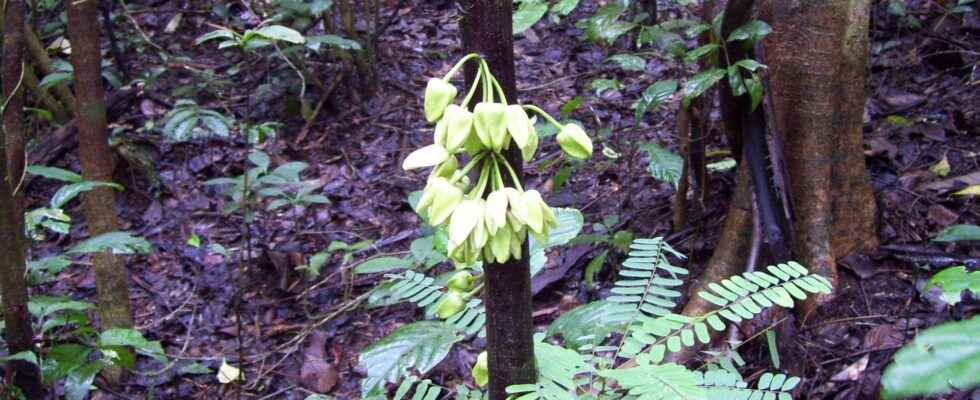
x=96, y=160
x=486, y=28
x=818, y=98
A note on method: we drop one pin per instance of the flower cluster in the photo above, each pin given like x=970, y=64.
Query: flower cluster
x=486, y=220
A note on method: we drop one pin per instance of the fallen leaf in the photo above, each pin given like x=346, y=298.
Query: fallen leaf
x=853, y=371
x=972, y=190
x=228, y=374
x=941, y=168
x=317, y=374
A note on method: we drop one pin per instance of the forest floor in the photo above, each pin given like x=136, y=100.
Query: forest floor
x=923, y=107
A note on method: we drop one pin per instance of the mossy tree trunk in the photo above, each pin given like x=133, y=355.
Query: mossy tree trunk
x=96, y=159
x=18, y=332
x=486, y=28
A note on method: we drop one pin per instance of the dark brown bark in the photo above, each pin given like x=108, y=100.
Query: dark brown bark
x=96, y=160
x=13, y=287
x=486, y=29
x=43, y=62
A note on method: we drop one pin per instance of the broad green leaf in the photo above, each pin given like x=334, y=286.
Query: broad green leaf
x=383, y=264
x=260, y=159
x=315, y=42
x=118, y=242
x=601, y=85
x=25, y=355
x=564, y=7
x=194, y=369
x=79, y=381
x=588, y=323
x=751, y=31
x=215, y=34
x=749, y=64
x=56, y=78
x=700, y=83
x=124, y=337
x=694, y=55
x=653, y=96
x=318, y=7
x=63, y=175
x=960, y=232
x=953, y=281
x=68, y=192
x=418, y=346
x=664, y=165
x=570, y=222
x=938, y=360
x=279, y=32
x=629, y=62
x=529, y=13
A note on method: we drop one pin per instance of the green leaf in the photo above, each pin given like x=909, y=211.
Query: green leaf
x=215, y=34
x=124, y=337
x=63, y=175
x=601, y=85
x=653, y=96
x=953, y=281
x=25, y=355
x=118, y=242
x=749, y=64
x=694, y=55
x=564, y=7
x=194, y=241
x=570, y=222
x=960, y=232
x=751, y=31
x=594, y=267
x=588, y=323
x=418, y=346
x=700, y=83
x=383, y=264
x=664, y=164
x=79, y=382
x=315, y=42
x=260, y=159
x=68, y=192
x=938, y=360
x=529, y=13
x=570, y=106
x=56, y=78
x=194, y=369
x=318, y=7
x=424, y=251
x=279, y=32
x=629, y=62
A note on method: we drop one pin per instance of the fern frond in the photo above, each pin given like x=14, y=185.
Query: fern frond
x=641, y=291
x=465, y=393
x=558, y=372
x=422, y=390
x=422, y=290
x=739, y=298
x=674, y=382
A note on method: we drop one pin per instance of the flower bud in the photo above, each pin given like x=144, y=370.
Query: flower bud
x=446, y=169
x=461, y=281
x=450, y=304
x=480, y=371
x=446, y=197
x=428, y=195
x=532, y=144
x=438, y=95
x=439, y=136
x=427, y=156
x=518, y=206
x=516, y=244
x=479, y=236
x=466, y=217
x=500, y=244
x=459, y=123
x=490, y=120
x=496, y=216
x=575, y=142
x=518, y=125
x=535, y=217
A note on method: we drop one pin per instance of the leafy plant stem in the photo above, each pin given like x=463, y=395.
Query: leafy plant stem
x=466, y=170
x=500, y=89
x=544, y=114
x=510, y=169
x=459, y=65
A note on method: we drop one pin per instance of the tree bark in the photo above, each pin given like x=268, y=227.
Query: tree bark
x=96, y=159
x=13, y=288
x=818, y=98
x=486, y=28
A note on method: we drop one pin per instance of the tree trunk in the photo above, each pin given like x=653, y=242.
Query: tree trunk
x=486, y=27
x=818, y=98
x=96, y=160
x=13, y=287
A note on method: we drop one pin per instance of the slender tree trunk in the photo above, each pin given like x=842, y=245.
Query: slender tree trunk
x=486, y=27
x=13, y=287
x=96, y=160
